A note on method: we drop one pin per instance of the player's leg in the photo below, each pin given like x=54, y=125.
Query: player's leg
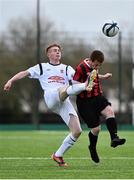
x=112, y=126
x=70, y=117
x=70, y=140
x=76, y=88
x=51, y=98
x=73, y=89
x=93, y=138
x=87, y=110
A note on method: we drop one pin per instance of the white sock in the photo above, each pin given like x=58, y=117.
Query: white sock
x=76, y=88
x=67, y=143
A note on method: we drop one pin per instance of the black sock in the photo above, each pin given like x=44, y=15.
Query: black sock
x=93, y=139
x=112, y=127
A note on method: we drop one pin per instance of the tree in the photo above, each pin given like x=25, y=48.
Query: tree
x=18, y=48
x=18, y=52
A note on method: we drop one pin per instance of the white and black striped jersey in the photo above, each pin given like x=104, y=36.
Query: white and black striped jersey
x=52, y=76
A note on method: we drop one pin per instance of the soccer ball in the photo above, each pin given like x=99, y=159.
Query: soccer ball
x=110, y=29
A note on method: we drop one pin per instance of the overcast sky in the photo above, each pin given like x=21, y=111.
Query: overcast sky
x=72, y=15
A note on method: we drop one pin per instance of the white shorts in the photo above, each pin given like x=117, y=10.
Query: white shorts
x=62, y=108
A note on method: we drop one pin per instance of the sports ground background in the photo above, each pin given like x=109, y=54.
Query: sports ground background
x=25, y=153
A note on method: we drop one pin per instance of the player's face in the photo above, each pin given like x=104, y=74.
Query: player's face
x=96, y=64
x=54, y=53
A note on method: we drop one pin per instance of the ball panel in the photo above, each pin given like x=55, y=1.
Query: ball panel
x=112, y=32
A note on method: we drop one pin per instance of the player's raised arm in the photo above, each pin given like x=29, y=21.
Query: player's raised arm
x=16, y=77
x=105, y=76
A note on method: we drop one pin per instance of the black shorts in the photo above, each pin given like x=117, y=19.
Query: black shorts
x=90, y=109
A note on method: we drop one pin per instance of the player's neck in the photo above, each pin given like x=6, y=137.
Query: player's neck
x=54, y=62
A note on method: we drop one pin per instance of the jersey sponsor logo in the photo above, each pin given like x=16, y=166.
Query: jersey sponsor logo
x=56, y=79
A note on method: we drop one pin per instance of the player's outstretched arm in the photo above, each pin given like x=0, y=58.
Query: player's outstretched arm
x=105, y=76
x=16, y=77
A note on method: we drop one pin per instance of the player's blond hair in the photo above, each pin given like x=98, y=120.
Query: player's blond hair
x=53, y=45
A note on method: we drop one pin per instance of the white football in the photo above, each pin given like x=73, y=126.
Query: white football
x=110, y=29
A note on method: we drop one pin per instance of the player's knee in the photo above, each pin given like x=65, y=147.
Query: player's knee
x=75, y=126
x=96, y=130
x=108, y=112
x=77, y=132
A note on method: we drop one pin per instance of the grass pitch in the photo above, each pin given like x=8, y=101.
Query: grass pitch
x=26, y=155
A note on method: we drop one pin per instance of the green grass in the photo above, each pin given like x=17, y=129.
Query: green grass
x=26, y=155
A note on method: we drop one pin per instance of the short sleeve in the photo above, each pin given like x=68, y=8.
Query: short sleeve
x=34, y=71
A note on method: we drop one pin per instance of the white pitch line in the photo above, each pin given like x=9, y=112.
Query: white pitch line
x=74, y=158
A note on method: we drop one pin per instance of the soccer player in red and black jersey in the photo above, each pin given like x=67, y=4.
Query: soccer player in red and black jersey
x=92, y=104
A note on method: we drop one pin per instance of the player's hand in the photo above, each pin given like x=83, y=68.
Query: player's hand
x=107, y=75
x=7, y=86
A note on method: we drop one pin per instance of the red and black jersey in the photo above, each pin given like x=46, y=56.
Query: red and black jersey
x=81, y=73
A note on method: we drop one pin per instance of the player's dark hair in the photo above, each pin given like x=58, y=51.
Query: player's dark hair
x=97, y=55
x=53, y=45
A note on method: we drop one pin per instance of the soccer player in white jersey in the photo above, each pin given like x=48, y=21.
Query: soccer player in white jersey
x=54, y=78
